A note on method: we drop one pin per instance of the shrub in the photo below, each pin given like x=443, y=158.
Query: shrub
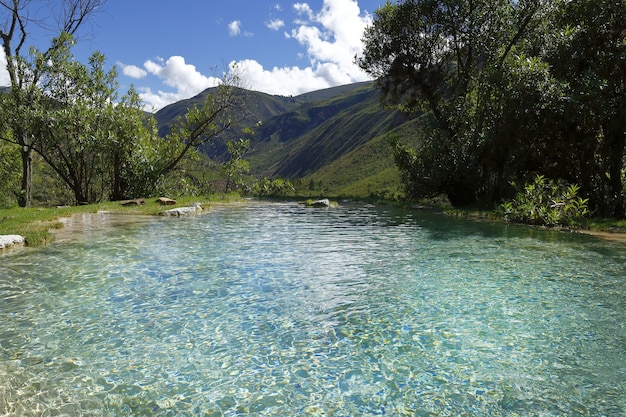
x=545, y=202
x=272, y=188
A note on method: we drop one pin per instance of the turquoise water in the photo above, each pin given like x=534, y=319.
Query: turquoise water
x=279, y=310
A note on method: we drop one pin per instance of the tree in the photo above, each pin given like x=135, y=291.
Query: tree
x=102, y=146
x=509, y=90
x=444, y=57
x=202, y=124
x=9, y=175
x=265, y=187
x=25, y=72
x=236, y=166
x=132, y=150
x=77, y=121
x=588, y=53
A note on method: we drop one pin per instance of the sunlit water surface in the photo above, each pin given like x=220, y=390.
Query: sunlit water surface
x=279, y=310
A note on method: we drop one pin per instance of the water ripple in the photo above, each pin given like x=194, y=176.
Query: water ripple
x=275, y=309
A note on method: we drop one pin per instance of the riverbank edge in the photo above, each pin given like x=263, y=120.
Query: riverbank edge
x=33, y=227
x=15, y=240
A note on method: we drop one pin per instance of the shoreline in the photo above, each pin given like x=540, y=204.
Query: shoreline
x=54, y=224
x=89, y=221
x=83, y=222
x=78, y=223
x=605, y=235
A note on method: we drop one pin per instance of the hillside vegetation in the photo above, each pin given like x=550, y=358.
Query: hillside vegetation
x=332, y=141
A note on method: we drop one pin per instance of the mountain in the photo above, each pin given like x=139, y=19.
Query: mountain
x=258, y=107
x=320, y=132
x=336, y=136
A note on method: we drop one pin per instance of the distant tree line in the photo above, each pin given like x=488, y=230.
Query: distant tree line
x=507, y=90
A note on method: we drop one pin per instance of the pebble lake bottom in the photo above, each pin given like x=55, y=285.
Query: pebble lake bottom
x=281, y=310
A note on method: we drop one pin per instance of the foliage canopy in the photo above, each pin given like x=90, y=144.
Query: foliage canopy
x=509, y=90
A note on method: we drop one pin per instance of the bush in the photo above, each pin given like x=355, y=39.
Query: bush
x=272, y=188
x=545, y=202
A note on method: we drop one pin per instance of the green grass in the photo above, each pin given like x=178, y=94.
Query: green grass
x=35, y=224
x=604, y=225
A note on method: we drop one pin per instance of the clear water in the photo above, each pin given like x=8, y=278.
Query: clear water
x=279, y=310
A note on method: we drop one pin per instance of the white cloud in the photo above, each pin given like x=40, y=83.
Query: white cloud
x=132, y=71
x=303, y=9
x=175, y=73
x=275, y=24
x=289, y=80
x=334, y=35
x=330, y=38
x=234, y=28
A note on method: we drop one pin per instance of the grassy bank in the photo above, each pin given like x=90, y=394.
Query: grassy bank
x=35, y=223
x=603, y=227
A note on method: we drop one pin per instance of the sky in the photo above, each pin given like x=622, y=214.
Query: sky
x=171, y=50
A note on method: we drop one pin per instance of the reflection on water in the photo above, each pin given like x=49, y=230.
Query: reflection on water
x=276, y=309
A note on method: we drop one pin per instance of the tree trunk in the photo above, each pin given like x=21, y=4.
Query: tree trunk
x=117, y=192
x=25, y=194
x=80, y=195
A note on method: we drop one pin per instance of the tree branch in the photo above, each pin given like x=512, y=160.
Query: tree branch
x=521, y=31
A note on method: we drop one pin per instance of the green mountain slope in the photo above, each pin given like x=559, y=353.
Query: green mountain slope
x=368, y=170
x=328, y=130
x=335, y=136
x=258, y=107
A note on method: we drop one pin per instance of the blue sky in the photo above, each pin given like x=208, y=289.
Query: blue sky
x=171, y=50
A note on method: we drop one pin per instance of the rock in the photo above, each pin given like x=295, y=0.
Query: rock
x=182, y=211
x=135, y=202
x=164, y=201
x=11, y=240
x=324, y=202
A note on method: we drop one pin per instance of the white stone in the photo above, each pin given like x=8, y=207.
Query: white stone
x=324, y=202
x=10, y=240
x=181, y=211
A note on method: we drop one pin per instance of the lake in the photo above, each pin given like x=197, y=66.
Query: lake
x=280, y=310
